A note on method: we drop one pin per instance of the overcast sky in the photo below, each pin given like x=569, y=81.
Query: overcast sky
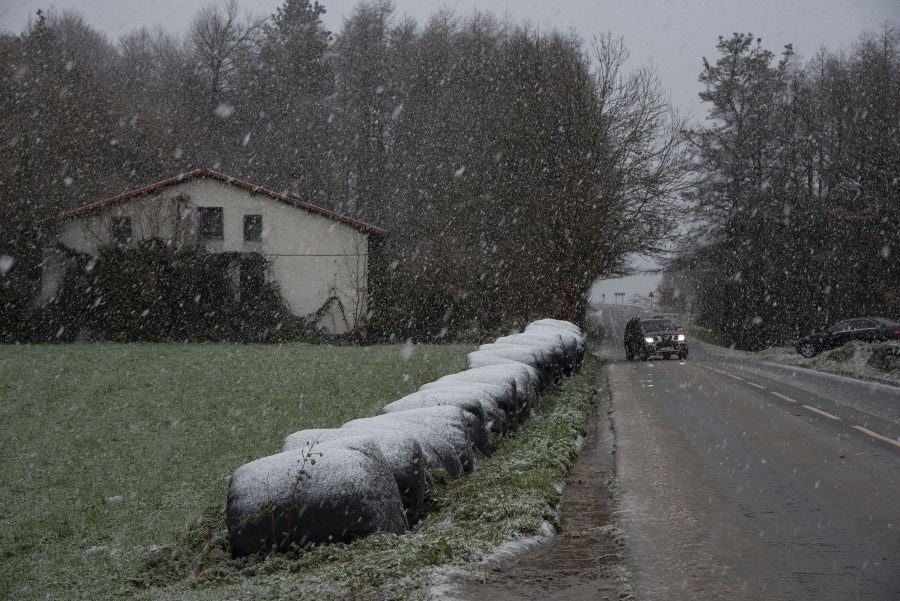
x=671, y=35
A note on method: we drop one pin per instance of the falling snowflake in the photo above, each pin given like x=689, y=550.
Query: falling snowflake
x=224, y=110
x=6, y=263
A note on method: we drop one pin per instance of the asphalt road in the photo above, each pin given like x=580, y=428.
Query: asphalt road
x=744, y=480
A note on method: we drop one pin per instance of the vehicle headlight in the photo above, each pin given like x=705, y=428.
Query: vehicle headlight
x=680, y=338
x=648, y=339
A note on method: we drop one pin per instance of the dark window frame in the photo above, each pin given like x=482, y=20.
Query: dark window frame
x=253, y=228
x=210, y=223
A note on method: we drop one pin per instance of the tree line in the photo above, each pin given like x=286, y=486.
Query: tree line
x=796, y=180
x=511, y=167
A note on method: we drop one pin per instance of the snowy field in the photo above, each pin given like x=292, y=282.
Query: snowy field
x=116, y=460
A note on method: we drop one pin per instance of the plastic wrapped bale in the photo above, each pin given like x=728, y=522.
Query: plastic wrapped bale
x=570, y=333
x=517, y=374
x=560, y=324
x=401, y=451
x=498, y=398
x=480, y=359
x=444, y=433
x=480, y=427
x=301, y=497
x=550, y=343
x=565, y=328
x=536, y=358
x=485, y=412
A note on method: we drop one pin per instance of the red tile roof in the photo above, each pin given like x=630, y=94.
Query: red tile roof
x=209, y=173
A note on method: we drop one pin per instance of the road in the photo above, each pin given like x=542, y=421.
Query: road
x=744, y=480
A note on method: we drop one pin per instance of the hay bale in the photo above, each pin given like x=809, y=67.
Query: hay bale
x=497, y=398
x=485, y=412
x=300, y=497
x=479, y=359
x=537, y=358
x=402, y=452
x=444, y=433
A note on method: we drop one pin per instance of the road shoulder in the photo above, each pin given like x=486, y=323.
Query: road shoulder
x=584, y=560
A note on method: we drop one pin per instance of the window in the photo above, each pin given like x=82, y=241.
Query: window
x=209, y=223
x=843, y=326
x=252, y=228
x=120, y=230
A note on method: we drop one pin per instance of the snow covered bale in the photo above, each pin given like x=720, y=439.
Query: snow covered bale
x=444, y=433
x=550, y=344
x=570, y=333
x=498, y=398
x=479, y=414
x=559, y=324
x=521, y=376
x=402, y=452
x=488, y=412
x=303, y=496
x=458, y=427
x=564, y=328
x=513, y=377
x=535, y=357
x=481, y=359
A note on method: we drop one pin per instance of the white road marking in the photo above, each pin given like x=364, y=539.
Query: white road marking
x=738, y=378
x=783, y=397
x=877, y=435
x=820, y=412
x=865, y=431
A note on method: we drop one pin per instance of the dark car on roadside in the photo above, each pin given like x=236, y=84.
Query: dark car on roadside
x=866, y=329
x=654, y=336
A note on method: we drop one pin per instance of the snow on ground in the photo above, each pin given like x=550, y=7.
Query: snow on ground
x=855, y=359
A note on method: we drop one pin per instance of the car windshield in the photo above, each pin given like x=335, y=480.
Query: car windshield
x=655, y=325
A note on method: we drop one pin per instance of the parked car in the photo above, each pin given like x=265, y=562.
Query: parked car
x=655, y=336
x=867, y=329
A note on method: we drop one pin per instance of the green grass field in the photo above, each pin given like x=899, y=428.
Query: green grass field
x=108, y=451
x=116, y=459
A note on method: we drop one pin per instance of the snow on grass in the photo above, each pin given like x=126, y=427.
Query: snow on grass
x=860, y=360
x=855, y=359
x=513, y=496
x=110, y=450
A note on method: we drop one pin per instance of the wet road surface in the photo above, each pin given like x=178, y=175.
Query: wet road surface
x=748, y=482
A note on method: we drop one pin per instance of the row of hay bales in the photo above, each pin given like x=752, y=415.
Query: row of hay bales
x=330, y=485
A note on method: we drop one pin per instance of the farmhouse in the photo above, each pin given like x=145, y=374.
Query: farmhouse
x=318, y=259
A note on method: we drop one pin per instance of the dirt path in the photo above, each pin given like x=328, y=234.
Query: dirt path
x=583, y=562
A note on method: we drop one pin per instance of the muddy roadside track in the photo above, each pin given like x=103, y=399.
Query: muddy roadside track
x=585, y=560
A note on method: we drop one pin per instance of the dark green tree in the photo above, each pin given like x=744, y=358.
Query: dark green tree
x=797, y=189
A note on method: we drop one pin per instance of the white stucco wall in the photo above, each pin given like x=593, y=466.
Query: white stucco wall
x=312, y=257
